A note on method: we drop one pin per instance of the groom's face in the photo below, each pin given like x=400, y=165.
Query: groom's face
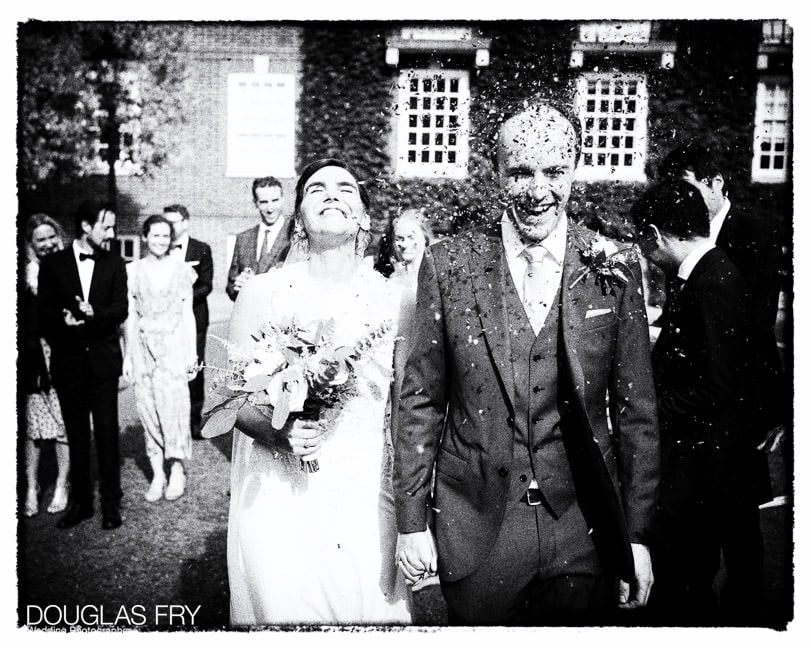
x=536, y=162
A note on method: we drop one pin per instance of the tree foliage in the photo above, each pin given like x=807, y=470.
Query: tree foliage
x=96, y=97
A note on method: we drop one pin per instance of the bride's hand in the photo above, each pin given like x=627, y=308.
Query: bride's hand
x=304, y=437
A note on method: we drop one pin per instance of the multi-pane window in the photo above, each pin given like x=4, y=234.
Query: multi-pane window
x=776, y=32
x=613, y=111
x=772, y=114
x=432, y=123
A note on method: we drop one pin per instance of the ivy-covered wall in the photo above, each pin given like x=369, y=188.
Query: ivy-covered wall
x=348, y=91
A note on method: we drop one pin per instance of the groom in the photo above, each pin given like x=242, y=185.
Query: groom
x=542, y=508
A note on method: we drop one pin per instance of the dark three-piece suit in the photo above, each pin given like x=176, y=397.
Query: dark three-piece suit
x=517, y=405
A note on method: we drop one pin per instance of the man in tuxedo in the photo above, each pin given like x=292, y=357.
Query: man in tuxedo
x=709, y=494
x=263, y=246
x=198, y=255
x=542, y=509
x=754, y=247
x=82, y=301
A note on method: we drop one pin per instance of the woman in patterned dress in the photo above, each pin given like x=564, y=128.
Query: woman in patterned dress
x=42, y=413
x=160, y=354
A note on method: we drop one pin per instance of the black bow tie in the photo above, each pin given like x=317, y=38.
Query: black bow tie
x=177, y=245
x=83, y=256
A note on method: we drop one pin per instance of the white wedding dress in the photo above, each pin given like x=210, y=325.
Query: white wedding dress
x=319, y=548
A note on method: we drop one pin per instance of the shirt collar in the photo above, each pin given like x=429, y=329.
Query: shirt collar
x=514, y=244
x=690, y=261
x=77, y=250
x=182, y=241
x=717, y=221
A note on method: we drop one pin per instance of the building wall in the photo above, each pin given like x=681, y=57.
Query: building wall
x=344, y=109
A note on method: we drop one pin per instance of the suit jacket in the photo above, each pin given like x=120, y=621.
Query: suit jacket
x=91, y=350
x=703, y=370
x=201, y=253
x=754, y=247
x=245, y=254
x=460, y=359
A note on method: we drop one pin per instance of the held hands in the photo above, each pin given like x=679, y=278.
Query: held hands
x=416, y=556
x=643, y=580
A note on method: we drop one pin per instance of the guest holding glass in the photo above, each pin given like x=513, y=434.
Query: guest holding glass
x=161, y=354
x=43, y=416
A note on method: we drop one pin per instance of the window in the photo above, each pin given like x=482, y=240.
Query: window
x=130, y=246
x=613, y=111
x=432, y=123
x=772, y=109
x=776, y=32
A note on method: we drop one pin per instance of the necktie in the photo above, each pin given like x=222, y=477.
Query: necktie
x=534, y=285
x=83, y=256
x=264, y=249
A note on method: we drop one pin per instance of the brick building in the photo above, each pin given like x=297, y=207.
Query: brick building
x=413, y=107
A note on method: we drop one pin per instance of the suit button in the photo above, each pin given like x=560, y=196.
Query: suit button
x=536, y=358
x=536, y=389
x=503, y=472
x=522, y=478
x=510, y=421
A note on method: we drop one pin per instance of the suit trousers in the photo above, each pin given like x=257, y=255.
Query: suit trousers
x=197, y=394
x=99, y=398
x=540, y=572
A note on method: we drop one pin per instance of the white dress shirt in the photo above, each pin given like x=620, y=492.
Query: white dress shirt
x=555, y=248
x=717, y=221
x=85, y=269
x=690, y=261
x=273, y=232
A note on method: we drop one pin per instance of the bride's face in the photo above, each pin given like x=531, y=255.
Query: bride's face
x=331, y=205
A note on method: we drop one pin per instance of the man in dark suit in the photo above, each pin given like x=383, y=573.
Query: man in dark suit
x=709, y=491
x=754, y=247
x=539, y=509
x=198, y=255
x=82, y=301
x=263, y=246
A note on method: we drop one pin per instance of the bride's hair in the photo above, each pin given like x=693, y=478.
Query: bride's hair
x=299, y=234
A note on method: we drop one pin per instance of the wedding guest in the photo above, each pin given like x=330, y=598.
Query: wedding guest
x=318, y=548
x=197, y=255
x=81, y=304
x=541, y=515
x=43, y=416
x=702, y=360
x=753, y=245
x=160, y=350
x=403, y=246
x=263, y=246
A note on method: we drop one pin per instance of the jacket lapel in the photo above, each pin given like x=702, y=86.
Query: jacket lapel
x=488, y=270
x=72, y=271
x=249, y=248
x=574, y=306
x=272, y=257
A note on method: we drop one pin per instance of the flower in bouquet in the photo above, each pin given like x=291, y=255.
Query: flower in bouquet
x=290, y=370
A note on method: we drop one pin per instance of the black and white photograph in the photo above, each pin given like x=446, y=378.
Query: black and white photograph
x=446, y=324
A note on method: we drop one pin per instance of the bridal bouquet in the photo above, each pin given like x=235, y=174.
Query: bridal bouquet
x=291, y=370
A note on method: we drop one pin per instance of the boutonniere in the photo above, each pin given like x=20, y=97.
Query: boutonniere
x=608, y=263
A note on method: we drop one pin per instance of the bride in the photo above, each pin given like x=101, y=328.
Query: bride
x=318, y=548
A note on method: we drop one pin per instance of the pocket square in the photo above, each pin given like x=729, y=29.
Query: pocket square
x=193, y=263
x=593, y=313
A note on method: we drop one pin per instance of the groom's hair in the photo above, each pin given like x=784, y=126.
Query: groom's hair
x=696, y=157
x=535, y=103
x=674, y=206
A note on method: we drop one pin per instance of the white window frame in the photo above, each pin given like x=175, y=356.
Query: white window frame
x=592, y=144
x=405, y=124
x=776, y=32
x=765, y=121
x=124, y=166
x=133, y=239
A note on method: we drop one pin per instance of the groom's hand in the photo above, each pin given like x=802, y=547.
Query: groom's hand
x=416, y=555
x=643, y=581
